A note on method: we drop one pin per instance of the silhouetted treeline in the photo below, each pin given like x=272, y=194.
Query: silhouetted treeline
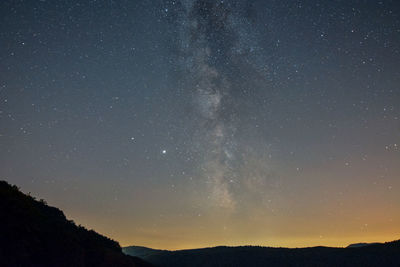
x=34, y=234
x=387, y=254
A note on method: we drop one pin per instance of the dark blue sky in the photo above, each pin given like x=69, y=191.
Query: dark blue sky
x=178, y=124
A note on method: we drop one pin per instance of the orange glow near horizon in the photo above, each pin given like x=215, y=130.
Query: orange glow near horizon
x=337, y=211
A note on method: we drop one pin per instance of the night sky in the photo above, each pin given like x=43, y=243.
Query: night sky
x=192, y=123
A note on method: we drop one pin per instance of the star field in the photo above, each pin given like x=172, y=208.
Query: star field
x=191, y=123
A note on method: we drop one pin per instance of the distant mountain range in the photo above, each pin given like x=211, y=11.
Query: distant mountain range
x=35, y=234
x=359, y=245
x=362, y=254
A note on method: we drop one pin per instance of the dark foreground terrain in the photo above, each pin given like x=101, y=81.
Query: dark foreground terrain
x=35, y=234
x=387, y=254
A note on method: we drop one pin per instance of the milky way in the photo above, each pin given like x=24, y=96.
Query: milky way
x=215, y=44
x=180, y=124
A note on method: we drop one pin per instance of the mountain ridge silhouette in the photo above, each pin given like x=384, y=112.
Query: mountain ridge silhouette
x=360, y=254
x=35, y=234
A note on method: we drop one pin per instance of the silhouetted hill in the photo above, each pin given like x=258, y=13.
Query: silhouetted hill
x=387, y=254
x=34, y=234
x=359, y=245
x=141, y=252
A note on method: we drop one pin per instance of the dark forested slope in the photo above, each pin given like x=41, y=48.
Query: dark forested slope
x=35, y=234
